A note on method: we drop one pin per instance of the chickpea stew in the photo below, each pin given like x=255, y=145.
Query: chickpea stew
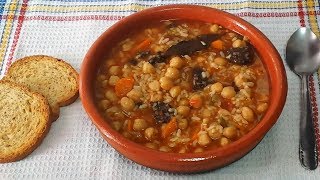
x=183, y=86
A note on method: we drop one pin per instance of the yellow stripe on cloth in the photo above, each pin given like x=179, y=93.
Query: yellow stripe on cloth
x=11, y=9
x=313, y=17
x=138, y=7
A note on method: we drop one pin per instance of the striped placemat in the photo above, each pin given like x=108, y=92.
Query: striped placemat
x=74, y=149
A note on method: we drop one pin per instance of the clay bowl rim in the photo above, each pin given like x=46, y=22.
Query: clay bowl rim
x=253, y=137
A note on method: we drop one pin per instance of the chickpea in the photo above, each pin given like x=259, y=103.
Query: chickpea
x=175, y=91
x=113, y=80
x=205, y=121
x=127, y=104
x=126, y=134
x=116, y=125
x=262, y=107
x=182, y=123
x=114, y=70
x=172, y=73
x=204, y=139
x=176, y=62
x=151, y=145
x=164, y=149
x=101, y=77
x=135, y=95
x=154, y=85
x=140, y=124
x=150, y=133
x=262, y=98
x=231, y=35
x=228, y=92
x=196, y=101
x=239, y=80
x=224, y=141
x=156, y=97
x=126, y=71
x=206, y=113
x=214, y=29
x=111, y=96
x=230, y=132
x=247, y=114
x=246, y=91
x=215, y=132
x=104, y=83
x=103, y=104
x=216, y=87
x=148, y=68
x=198, y=150
x=166, y=83
x=183, y=102
x=183, y=110
x=238, y=43
x=200, y=59
x=220, y=61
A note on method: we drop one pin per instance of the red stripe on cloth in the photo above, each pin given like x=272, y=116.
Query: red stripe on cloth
x=119, y=17
x=315, y=112
x=75, y=18
x=17, y=33
x=301, y=13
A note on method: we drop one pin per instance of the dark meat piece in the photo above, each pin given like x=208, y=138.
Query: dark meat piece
x=191, y=46
x=241, y=55
x=185, y=48
x=158, y=58
x=161, y=112
x=143, y=54
x=208, y=38
x=133, y=61
x=200, y=80
x=140, y=55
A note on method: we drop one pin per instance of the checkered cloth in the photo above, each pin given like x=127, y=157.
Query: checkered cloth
x=73, y=149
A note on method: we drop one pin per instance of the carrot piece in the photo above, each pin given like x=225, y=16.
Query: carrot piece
x=142, y=46
x=227, y=104
x=130, y=125
x=123, y=86
x=195, y=132
x=218, y=44
x=195, y=103
x=169, y=128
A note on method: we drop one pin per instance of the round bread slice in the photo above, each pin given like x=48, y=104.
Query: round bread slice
x=53, y=78
x=24, y=121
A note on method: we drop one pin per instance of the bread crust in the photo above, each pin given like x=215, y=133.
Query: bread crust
x=55, y=110
x=32, y=145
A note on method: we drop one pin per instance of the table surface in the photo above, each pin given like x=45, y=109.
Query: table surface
x=73, y=149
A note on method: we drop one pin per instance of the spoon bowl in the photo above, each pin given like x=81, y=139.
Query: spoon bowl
x=303, y=52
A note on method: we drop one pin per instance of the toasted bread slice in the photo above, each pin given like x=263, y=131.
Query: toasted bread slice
x=24, y=121
x=53, y=78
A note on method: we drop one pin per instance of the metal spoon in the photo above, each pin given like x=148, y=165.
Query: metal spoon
x=303, y=58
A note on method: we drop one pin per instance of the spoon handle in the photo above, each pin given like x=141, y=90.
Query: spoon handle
x=307, y=148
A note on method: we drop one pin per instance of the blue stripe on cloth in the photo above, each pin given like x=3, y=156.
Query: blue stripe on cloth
x=2, y=4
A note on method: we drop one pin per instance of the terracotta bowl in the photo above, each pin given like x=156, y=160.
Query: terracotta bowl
x=189, y=162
